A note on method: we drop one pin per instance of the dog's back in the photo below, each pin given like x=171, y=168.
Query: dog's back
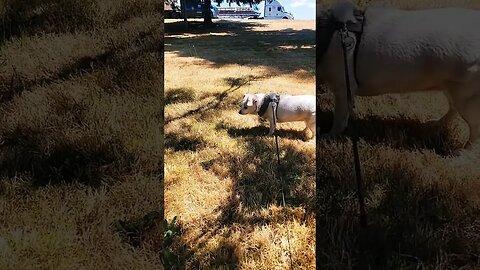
x=296, y=108
x=417, y=50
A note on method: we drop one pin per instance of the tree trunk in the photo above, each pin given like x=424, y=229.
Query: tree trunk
x=183, y=5
x=207, y=14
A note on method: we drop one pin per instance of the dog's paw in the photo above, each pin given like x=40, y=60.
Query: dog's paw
x=308, y=137
x=309, y=140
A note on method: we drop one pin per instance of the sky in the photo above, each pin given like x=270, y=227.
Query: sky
x=301, y=9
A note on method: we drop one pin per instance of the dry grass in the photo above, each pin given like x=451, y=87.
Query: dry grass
x=81, y=144
x=219, y=165
x=58, y=16
x=422, y=191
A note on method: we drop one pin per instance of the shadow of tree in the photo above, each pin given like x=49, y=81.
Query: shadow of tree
x=182, y=142
x=194, y=27
x=411, y=224
x=70, y=162
x=256, y=186
x=87, y=64
x=235, y=84
x=238, y=43
x=179, y=95
x=402, y=133
x=263, y=131
x=23, y=150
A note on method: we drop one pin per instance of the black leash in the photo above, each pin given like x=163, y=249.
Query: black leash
x=274, y=115
x=354, y=135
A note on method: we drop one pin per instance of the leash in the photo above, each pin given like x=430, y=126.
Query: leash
x=354, y=135
x=274, y=113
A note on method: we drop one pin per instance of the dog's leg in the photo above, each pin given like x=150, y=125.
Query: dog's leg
x=340, y=113
x=448, y=118
x=305, y=134
x=472, y=117
x=469, y=109
x=452, y=112
x=311, y=124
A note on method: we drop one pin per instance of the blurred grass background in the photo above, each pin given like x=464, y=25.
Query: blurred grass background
x=81, y=89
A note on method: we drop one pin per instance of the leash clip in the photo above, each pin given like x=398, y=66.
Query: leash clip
x=347, y=40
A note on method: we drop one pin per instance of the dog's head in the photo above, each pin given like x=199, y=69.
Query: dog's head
x=249, y=104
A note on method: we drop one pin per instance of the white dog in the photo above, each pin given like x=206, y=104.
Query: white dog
x=289, y=109
x=406, y=51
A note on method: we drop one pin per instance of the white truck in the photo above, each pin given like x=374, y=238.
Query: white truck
x=238, y=12
x=275, y=10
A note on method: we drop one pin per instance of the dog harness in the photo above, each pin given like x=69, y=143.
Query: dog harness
x=272, y=97
x=330, y=25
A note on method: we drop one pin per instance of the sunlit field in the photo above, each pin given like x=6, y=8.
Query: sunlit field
x=221, y=177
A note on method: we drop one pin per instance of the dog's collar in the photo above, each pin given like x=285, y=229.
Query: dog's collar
x=272, y=97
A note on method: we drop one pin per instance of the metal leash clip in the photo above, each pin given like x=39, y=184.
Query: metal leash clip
x=346, y=38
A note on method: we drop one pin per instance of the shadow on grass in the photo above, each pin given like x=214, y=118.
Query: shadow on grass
x=196, y=27
x=16, y=85
x=402, y=133
x=65, y=163
x=179, y=95
x=182, y=142
x=256, y=187
x=134, y=231
x=87, y=64
x=262, y=131
x=224, y=254
x=283, y=51
x=411, y=225
x=87, y=161
x=220, y=98
x=258, y=178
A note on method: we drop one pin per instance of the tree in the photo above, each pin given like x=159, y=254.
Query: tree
x=207, y=13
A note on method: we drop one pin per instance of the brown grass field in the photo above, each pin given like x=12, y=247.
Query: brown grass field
x=81, y=138
x=80, y=134
x=422, y=191
x=220, y=167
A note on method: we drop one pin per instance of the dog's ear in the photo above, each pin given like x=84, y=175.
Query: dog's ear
x=249, y=101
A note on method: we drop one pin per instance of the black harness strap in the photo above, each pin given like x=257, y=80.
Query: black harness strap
x=360, y=16
x=357, y=29
x=272, y=97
